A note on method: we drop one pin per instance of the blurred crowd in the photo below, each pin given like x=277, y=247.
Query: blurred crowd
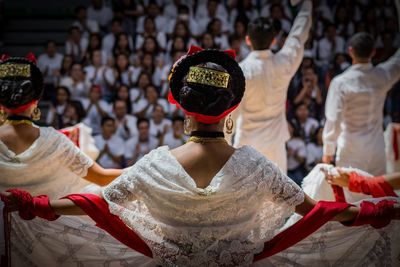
x=113, y=72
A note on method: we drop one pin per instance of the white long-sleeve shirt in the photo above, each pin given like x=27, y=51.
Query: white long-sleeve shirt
x=261, y=118
x=353, y=112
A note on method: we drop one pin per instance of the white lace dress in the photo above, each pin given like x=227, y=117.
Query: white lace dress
x=225, y=224
x=247, y=202
x=53, y=165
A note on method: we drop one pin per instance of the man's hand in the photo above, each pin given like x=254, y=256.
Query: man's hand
x=327, y=159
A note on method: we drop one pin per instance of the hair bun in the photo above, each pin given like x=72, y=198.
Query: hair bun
x=19, y=91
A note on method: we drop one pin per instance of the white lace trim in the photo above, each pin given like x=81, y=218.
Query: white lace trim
x=246, y=206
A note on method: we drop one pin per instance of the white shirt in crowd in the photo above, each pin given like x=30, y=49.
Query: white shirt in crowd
x=78, y=90
x=144, y=147
x=93, y=115
x=143, y=103
x=132, y=130
x=91, y=25
x=309, y=127
x=326, y=51
x=314, y=154
x=76, y=50
x=261, y=116
x=102, y=16
x=116, y=146
x=354, y=118
x=298, y=147
x=156, y=129
x=48, y=65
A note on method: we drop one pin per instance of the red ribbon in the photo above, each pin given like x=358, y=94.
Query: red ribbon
x=31, y=57
x=72, y=134
x=21, y=108
x=375, y=186
x=4, y=57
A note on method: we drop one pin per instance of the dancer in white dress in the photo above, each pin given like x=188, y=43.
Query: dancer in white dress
x=42, y=160
x=208, y=204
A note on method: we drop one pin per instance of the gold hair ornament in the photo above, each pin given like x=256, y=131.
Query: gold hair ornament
x=206, y=76
x=15, y=70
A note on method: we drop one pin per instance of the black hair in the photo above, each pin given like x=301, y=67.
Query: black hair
x=140, y=120
x=16, y=91
x=362, y=44
x=206, y=99
x=261, y=33
x=48, y=42
x=70, y=29
x=106, y=119
x=178, y=118
x=79, y=8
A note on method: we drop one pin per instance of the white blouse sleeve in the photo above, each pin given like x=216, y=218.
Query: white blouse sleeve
x=73, y=158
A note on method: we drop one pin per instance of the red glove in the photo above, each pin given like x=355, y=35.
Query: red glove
x=29, y=207
x=377, y=215
x=375, y=186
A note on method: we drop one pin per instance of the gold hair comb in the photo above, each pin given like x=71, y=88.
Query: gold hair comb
x=208, y=77
x=15, y=70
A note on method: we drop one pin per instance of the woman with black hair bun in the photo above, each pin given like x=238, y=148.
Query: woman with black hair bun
x=38, y=159
x=206, y=203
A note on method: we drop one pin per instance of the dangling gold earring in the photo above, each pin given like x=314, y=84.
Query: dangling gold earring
x=229, y=125
x=36, y=114
x=187, y=125
x=3, y=115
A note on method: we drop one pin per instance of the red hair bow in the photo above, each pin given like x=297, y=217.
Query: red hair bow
x=31, y=57
x=4, y=57
x=194, y=49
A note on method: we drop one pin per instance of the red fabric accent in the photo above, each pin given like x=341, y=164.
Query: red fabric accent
x=200, y=117
x=375, y=186
x=377, y=215
x=322, y=212
x=29, y=207
x=395, y=145
x=31, y=57
x=4, y=57
x=97, y=209
x=72, y=134
x=21, y=108
x=194, y=49
x=338, y=193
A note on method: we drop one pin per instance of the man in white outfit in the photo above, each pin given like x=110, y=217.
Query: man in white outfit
x=354, y=109
x=261, y=116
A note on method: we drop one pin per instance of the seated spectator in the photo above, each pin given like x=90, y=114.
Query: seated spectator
x=181, y=31
x=140, y=145
x=66, y=65
x=206, y=12
x=185, y=17
x=207, y=41
x=128, y=11
x=100, y=13
x=387, y=49
x=74, y=114
x=166, y=69
x=243, y=10
x=76, y=82
x=95, y=44
x=76, y=44
x=344, y=25
x=175, y=137
x=329, y=45
x=121, y=45
x=95, y=109
x=50, y=64
x=278, y=14
x=57, y=109
x=304, y=125
x=297, y=153
x=111, y=146
x=137, y=92
x=123, y=94
x=341, y=62
x=95, y=71
x=145, y=106
x=109, y=39
x=153, y=11
x=151, y=30
x=310, y=93
x=87, y=26
x=159, y=125
x=120, y=73
x=124, y=122
x=235, y=43
x=215, y=28
x=151, y=65
x=314, y=150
